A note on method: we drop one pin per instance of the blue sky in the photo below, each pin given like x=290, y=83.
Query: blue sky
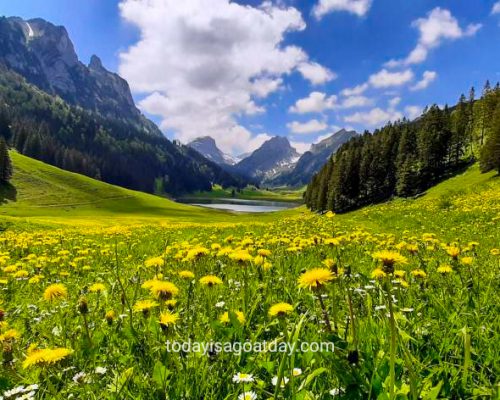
x=245, y=71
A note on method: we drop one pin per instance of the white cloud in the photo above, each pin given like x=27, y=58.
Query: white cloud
x=374, y=117
x=316, y=102
x=394, y=102
x=413, y=112
x=496, y=8
x=203, y=63
x=356, y=90
x=439, y=25
x=316, y=73
x=312, y=126
x=427, y=78
x=384, y=78
x=301, y=147
x=356, y=101
x=358, y=7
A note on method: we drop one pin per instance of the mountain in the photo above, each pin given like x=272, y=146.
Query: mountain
x=272, y=158
x=207, y=147
x=313, y=160
x=83, y=118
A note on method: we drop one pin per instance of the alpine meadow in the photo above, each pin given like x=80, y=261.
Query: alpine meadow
x=201, y=219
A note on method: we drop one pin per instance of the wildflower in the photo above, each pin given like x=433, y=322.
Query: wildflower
x=418, y=273
x=186, y=274
x=399, y=273
x=378, y=273
x=9, y=335
x=297, y=372
x=167, y=319
x=155, y=262
x=45, y=356
x=241, y=256
x=315, y=278
x=466, y=260
x=210, y=280
x=444, y=269
x=97, y=288
x=145, y=305
x=54, y=292
x=164, y=290
x=80, y=377
x=110, y=317
x=389, y=259
x=224, y=318
x=329, y=263
x=101, y=370
x=247, y=396
x=284, y=381
x=280, y=309
x=243, y=378
x=453, y=251
x=220, y=304
x=264, y=252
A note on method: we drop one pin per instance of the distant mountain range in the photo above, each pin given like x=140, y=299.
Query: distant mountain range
x=82, y=117
x=276, y=162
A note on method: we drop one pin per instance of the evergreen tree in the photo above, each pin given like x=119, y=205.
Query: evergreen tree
x=490, y=153
x=5, y=162
x=459, y=133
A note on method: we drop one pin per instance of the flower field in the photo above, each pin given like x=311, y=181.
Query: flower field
x=406, y=292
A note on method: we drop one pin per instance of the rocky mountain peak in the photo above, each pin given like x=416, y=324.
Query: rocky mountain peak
x=95, y=63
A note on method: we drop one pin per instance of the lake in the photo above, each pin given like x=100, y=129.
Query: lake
x=240, y=205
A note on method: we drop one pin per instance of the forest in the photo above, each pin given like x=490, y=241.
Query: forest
x=406, y=158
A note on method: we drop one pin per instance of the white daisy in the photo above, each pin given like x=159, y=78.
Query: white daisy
x=297, y=372
x=284, y=381
x=247, y=396
x=241, y=377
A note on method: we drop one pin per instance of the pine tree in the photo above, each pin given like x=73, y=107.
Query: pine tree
x=459, y=132
x=490, y=153
x=5, y=162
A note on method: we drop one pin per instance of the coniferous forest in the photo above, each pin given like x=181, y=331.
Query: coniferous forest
x=407, y=157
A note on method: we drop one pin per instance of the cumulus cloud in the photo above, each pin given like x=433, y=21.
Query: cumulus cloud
x=204, y=63
x=301, y=147
x=316, y=73
x=427, y=78
x=394, y=102
x=374, y=118
x=357, y=7
x=356, y=101
x=385, y=78
x=356, y=90
x=316, y=102
x=439, y=25
x=496, y=8
x=312, y=126
x=413, y=112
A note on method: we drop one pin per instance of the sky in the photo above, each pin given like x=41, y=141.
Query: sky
x=244, y=71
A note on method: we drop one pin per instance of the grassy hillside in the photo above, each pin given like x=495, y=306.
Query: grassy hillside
x=43, y=193
x=252, y=193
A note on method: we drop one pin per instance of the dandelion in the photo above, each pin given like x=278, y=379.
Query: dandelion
x=9, y=335
x=418, y=273
x=378, y=273
x=164, y=290
x=241, y=377
x=56, y=291
x=453, y=251
x=186, y=274
x=389, y=259
x=46, y=356
x=154, y=262
x=97, y=288
x=168, y=319
x=280, y=310
x=210, y=280
x=224, y=318
x=444, y=269
x=315, y=278
x=145, y=305
x=466, y=260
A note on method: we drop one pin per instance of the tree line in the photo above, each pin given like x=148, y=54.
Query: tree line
x=120, y=151
x=407, y=157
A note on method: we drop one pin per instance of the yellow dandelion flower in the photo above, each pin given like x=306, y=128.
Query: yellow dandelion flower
x=164, y=290
x=186, y=274
x=419, y=273
x=264, y=252
x=145, y=305
x=210, y=280
x=315, y=278
x=466, y=260
x=46, y=356
x=241, y=256
x=453, y=251
x=56, y=291
x=399, y=273
x=167, y=319
x=329, y=263
x=389, y=258
x=97, y=288
x=9, y=335
x=224, y=318
x=444, y=269
x=280, y=309
x=155, y=262
x=378, y=273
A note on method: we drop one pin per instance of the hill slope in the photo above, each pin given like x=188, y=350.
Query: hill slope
x=43, y=193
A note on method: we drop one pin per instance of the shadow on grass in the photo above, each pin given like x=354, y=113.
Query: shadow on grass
x=7, y=193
